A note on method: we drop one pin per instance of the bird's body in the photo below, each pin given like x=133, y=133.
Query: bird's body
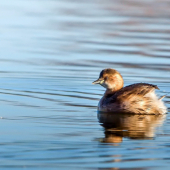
x=137, y=98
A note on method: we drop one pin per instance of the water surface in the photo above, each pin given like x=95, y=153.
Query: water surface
x=51, y=51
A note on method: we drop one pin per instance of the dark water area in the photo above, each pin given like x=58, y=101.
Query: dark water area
x=51, y=52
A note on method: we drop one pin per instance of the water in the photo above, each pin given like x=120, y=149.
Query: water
x=51, y=51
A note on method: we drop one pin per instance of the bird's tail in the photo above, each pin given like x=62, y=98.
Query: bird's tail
x=163, y=96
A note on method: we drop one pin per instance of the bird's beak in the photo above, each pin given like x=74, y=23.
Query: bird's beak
x=98, y=81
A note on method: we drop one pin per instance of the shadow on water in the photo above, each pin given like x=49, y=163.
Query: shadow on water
x=133, y=126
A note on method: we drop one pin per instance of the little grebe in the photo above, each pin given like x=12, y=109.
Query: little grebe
x=139, y=98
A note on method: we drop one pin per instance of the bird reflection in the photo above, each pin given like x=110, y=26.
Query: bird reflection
x=119, y=125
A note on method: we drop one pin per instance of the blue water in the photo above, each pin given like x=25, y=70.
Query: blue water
x=51, y=52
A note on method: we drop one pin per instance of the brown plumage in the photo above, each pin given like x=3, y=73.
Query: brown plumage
x=135, y=98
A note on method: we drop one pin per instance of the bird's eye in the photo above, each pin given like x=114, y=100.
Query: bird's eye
x=105, y=78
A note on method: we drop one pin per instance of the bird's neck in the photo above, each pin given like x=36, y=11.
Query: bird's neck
x=109, y=92
x=112, y=91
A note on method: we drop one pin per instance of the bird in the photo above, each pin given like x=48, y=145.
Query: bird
x=139, y=98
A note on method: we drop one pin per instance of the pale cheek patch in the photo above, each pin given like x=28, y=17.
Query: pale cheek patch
x=110, y=86
x=104, y=85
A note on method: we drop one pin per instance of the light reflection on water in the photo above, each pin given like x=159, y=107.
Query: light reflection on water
x=132, y=126
x=51, y=51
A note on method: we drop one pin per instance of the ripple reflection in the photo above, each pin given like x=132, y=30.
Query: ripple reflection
x=130, y=126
